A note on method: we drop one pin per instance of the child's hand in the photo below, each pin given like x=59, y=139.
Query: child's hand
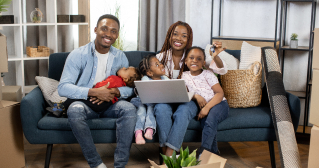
x=203, y=113
x=200, y=100
x=218, y=48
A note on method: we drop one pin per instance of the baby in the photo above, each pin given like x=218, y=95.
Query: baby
x=125, y=77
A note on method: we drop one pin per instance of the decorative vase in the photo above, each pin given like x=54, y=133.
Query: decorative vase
x=36, y=16
x=294, y=44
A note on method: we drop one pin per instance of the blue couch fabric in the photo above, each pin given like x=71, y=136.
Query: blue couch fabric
x=242, y=124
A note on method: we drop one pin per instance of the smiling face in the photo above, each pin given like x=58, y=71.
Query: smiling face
x=195, y=61
x=179, y=38
x=156, y=69
x=106, y=34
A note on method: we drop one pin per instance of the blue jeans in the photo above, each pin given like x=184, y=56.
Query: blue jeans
x=172, y=126
x=209, y=125
x=145, y=115
x=79, y=113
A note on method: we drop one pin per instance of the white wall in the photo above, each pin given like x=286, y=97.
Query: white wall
x=256, y=18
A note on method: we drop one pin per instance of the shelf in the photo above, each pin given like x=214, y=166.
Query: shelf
x=14, y=58
x=299, y=94
x=5, y=25
x=25, y=57
x=300, y=48
x=244, y=38
x=52, y=24
x=71, y=24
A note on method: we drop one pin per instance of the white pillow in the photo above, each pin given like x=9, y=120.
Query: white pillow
x=231, y=62
x=249, y=55
x=49, y=88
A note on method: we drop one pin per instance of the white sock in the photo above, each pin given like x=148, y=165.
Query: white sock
x=102, y=165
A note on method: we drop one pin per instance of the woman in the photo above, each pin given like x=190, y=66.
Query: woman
x=173, y=119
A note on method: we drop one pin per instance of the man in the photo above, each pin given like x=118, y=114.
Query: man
x=85, y=67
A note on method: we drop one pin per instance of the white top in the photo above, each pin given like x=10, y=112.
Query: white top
x=201, y=84
x=102, y=67
x=209, y=62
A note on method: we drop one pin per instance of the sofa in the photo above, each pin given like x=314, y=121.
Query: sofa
x=242, y=124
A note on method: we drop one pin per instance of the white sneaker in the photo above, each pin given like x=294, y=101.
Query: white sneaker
x=102, y=165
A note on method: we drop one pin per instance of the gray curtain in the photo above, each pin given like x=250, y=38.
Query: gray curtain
x=155, y=17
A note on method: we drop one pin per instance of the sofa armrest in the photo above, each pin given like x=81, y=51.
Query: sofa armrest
x=32, y=109
x=295, y=109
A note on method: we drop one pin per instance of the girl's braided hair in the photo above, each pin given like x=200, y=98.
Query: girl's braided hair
x=184, y=67
x=144, y=64
x=166, y=46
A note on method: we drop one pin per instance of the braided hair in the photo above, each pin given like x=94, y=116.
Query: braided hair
x=184, y=66
x=144, y=64
x=166, y=46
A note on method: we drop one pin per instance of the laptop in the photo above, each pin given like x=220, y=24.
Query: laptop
x=163, y=91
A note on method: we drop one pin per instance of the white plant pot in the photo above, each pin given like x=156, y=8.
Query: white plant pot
x=294, y=44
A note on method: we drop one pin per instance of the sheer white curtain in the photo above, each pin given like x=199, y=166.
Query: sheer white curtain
x=155, y=17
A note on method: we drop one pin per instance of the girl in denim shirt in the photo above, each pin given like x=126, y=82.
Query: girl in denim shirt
x=151, y=69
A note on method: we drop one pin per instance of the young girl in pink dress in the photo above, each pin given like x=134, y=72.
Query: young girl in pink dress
x=208, y=95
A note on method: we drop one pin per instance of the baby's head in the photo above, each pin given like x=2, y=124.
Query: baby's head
x=129, y=75
x=151, y=67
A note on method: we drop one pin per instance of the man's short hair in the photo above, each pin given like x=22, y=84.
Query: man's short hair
x=109, y=16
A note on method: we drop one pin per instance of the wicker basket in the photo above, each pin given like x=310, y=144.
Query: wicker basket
x=242, y=88
x=41, y=51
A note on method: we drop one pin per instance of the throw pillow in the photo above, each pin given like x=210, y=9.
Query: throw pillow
x=231, y=62
x=249, y=55
x=49, y=88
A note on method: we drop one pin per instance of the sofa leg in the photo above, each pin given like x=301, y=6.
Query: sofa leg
x=48, y=155
x=272, y=156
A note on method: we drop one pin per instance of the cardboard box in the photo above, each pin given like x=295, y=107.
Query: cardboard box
x=3, y=54
x=314, y=148
x=11, y=139
x=315, y=61
x=314, y=102
x=208, y=160
x=11, y=93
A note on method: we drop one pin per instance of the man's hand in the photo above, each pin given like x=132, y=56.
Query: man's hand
x=200, y=100
x=218, y=48
x=203, y=113
x=101, y=94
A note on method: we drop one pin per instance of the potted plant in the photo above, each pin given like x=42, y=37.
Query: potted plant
x=294, y=41
x=5, y=19
x=184, y=160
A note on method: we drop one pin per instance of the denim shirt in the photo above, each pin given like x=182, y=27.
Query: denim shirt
x=80, y=70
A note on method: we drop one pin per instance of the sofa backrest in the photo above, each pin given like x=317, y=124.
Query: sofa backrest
x=57, y=61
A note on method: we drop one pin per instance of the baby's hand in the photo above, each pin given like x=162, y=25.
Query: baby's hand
x=218, y=48
x=203, y=113
x=200, y=100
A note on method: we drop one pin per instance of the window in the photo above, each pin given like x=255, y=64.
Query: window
x=128, y=16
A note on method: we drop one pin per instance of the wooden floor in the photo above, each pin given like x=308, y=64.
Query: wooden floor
x=238, y=154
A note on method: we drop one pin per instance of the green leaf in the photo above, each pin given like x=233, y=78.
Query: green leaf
x=193, y=160
x=186, y=153
x=186, y=162
x=193, y=154
x=174, y=158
